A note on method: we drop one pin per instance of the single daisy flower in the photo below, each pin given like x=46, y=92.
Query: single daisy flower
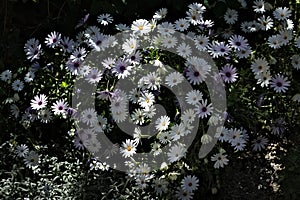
x=259, y=143
x=53, y=39
x=203, y=110
x=280, y=83
x=59, y=107
x=128, y=148
x=141, y=26
x=190, y=183
x=22, y=150
x=105, y=19
x=162, y=123
x=39, y=102
x=220, y=160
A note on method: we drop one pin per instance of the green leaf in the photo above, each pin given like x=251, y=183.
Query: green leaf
x=64, y=84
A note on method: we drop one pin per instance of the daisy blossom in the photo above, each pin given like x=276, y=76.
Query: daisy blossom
x=162, y=123
x=39, y=102
x=21, y=150
x=17, y=85
x=193, y=97
x=59, y=107
x=190, y=183
x=32, y=159
x=231, y=16
x=105, y=19
x=220, y=160
x=128, y=148
x=89, y=116
x=6, y=75
x=184, y=50
x=259, y=143
x=280, y=83
x=141, y=26
x=160, y=14
x=53, y=39
x=174, y=79
x=282, y=13
x=228, y=73
x=203, y=110
x=176, y=152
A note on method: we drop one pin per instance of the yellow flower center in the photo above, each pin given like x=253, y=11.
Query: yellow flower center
x=141, y=27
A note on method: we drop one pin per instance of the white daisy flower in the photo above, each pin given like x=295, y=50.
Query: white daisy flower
x=193, y=97
x=149, y=111
x=146, y=99
x=188, y=116
x=259, y=65
x=282, y=13
x=29, y=76
x=280, y=83
x=164, y=137
x=122, y=68
x=263, y=78
x=169, y=41
x=285, y=36
x=274, y=41
x=32, y=49
x=174, y=79
x=190, y=183
x=94, y=76
x=39, y=102
x=17, y=85
x=32, y=159
x=53, y=39
x=67, y=44
x=59, y=107
x=128, y=148
x=6, y=75
x=138, y=116
x=220, y=160
x=295, y=60
x=166, y=28
x=141, y=26
x=160, y=186
x=15, y=111
x=152, y=81
x=197, y=70
x=160, y=14
x=181, y=24
x=184, y=50
x=259, y=143
x=203, y=110
x=21, y=150
x=259, y=6
x=176, y=152
x=201, y=42
x=231, y=16
x=89, y=116
x=265, y=23
x=183, y=194
x=105, y=19
x=228, y=73
x=45, y=115
x=177, y=131
x=238, y=42
x=130, y=45
x=162, y=123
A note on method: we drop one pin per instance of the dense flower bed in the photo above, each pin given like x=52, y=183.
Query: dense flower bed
x=83, y=115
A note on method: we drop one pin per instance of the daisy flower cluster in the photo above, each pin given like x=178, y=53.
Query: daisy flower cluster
x=255, y=59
